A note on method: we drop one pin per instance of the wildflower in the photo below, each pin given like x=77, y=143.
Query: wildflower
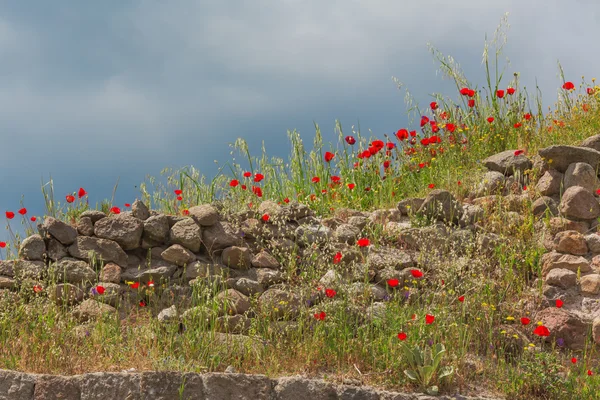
x=416, y=273
x=519, y=152
x=431, y=186
x=150, y=283
x=590, y=91
x=541, y=330
x=413, y=317
x=461, y=299
x=244, y=187
x=81, y=192
x=33, y=219
x=70, y=198
x=471, y=103
x=402, y=336
x=517, y=125
x=510, y=91
x=37, y=288
x=329, y=156
x=115, y=210
x=320, y=316
x=22, y=211
x=134, y=285
x=490, y=119
x=178, y=192
x=350, y=140
x=386, y=164
x=450, y=127
x=316, y=179
x=589, y=372
x=573, y=360
x=351, y=186
x=429, y=319
x=500, y=93
x=424, y=121
x=247, y=174
x=286, y=200
x=568, y=86
x=330, y=293
x=127, y=205
x=179, y=198
x=525, y=321
x=258, y=177
x=471, y=93
x=265, y=217
x=257, y=191
x=142, y=303
x=2, y=245
x=100, y=289
x=185, y=212
x=337, y=258
x=509, y=318
x=393, y=282
x=458, y=183
x=527, y=116
x=464, y=91
x=234, y=183
x=10, y=214
x=559, y=303
x=363, y=242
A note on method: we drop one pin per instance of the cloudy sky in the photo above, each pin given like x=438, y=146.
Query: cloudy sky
x=96, y=91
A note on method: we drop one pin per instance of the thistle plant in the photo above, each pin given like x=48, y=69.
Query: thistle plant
x=423, y=365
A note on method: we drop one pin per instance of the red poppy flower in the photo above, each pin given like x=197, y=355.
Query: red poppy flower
x=559, y=303
x=134, y=285
x=589, y=372
x=541, y=330
x=471, y=103
x=320, y=316
x=100, y=289
x=525, y=321
x=329, y=156
x=402, y=134
x=431, y=186
x=179, y=198
x=393, y=282
x=573, y=360
x=450, y=127
x=244, y=187
x=363, y=242
x=429, y=319
x=461, y=299
x=335, y=179
x=286, y=200
x=490, y=119
x=337, y=258
x=127, y=205
x=386, y=164
x=416, y=273
x=519, y=152
x=33, y=219
x=316, y=179
x=186, y=212
x=37, y=288
x=10, y=214
x=257, y=191
x=265, y=217
x=22, y=211
x=527, y=116
x=500, y=93
x=258, y=177
x=459, y=183
x=247, y=174
x=590, y=91
x=178, y=191
x=568, y=86
x=510, y=91
x=444, y=115
x=142, y=303
x=464, y=91
x=150, y=283
x=402, y=336
x=390, y=146
x=70, y=198
x=435, y=128
x=350, y=140
x=2, y=245
x=351, y=186
x=234, y=183
x=471, y=93
x=433, y=105
x=330, y=293
x=413, y=317
x=517, y=125
x=81, y=192
x=115, y=210
x=424, y=121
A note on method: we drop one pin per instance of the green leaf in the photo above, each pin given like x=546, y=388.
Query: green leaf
x=412, y=375
x=418, y=354
x=432, y=390
x=446, y=371
x=426, y=374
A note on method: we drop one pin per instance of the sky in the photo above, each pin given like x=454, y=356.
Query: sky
x=95, y=92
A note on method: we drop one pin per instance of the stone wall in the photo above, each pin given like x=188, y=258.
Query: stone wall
x=188, y=386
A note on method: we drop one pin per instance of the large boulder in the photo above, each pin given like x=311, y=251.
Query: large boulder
x=507, y=162
x=442, y=206
x=560, y=157
x=124, y=229
x=579, y=204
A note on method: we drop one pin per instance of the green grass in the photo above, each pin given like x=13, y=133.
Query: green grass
x=37, y=336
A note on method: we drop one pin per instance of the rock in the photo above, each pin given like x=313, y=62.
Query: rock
x=29, y=269
x=32, y=248
x=56, y=250
x=178, y=255
x=593, y=142
x=102, y=249
x=563, y=325
x=110, y=272
x=92, y=309
x=264, y=260
x=56, y=387
x=156, y=228
x=543, y=204
x=590, y=284
x=232, y=302
x=165, y=385
x=70, y=270
x=7, y=283
x=248, y=287
x=267, y=277
x=85, y=226
x=360, y=221
x=390, y=258
x=442, y=206
x=62, y=232
x=16, y=385
x=308, y=234
x=555, y=260
x=65, y=294
x=507, y=162
x=220, y=236
x=186, y=233
x=347, y=233
x=237, y=324
x=550, y=183
x=237, y=257
x=205, y=268
x=560, y=157
x=596, y=330
x=593, y=242
x=570, y=242
x=493, y=182
x=296, y=388
x=562, y=278
x=581, y=174
x=279, y=304
x=111, y=385
x=237, y=386
x=168, y=314
x=94, y=215
x=204, y=214
x=579, y=204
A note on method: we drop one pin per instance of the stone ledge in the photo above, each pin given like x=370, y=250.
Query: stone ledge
x=189, y=386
